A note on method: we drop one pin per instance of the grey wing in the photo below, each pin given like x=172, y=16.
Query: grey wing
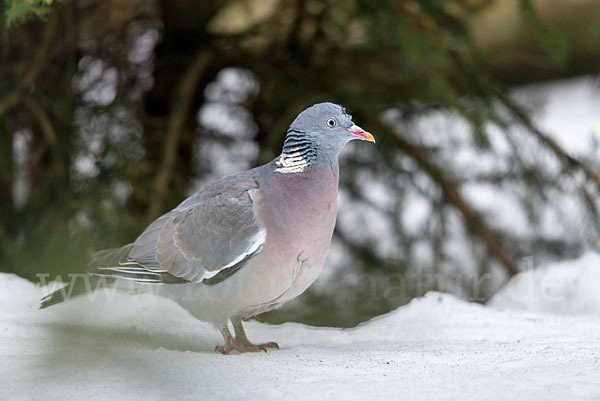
x=205, y=235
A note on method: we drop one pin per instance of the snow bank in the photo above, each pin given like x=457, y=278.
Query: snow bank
x=145, y=347
x=569, y=287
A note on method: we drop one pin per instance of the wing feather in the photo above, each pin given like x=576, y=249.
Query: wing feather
x=212, y=231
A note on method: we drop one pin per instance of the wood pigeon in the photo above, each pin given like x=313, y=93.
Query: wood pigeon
x=246, y=243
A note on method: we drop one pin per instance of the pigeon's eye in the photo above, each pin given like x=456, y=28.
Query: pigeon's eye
x=331, y=122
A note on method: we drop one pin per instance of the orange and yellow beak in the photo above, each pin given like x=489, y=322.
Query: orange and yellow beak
x=360, y=133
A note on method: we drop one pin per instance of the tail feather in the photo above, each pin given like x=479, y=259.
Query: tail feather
x=71, y=290
x=109, y=265
x=116, y=263
x=110, y=257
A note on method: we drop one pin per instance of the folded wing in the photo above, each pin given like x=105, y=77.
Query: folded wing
x=214, y=230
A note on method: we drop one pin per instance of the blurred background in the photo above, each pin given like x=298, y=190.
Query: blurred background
x=486, y=115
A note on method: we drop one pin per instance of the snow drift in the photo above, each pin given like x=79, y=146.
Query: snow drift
x=568, y=287
x=145, y=347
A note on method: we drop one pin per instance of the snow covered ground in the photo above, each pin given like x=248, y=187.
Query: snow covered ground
x=570, y=287
x=435, y=348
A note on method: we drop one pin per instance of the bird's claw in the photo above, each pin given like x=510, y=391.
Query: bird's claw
x=266, y=346
x=243, y=348
x=240, y=342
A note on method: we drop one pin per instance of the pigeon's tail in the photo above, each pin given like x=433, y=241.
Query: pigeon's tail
x=51, y=299
x=116, y=263
x=108, y=267
x=80, y=286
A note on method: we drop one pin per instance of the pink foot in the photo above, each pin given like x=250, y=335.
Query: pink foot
x=231, y=344
x=241, y=338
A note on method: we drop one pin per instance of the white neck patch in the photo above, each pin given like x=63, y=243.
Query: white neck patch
x=291, y=163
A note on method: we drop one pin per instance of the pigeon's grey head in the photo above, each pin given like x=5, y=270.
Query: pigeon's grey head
x=320, y=132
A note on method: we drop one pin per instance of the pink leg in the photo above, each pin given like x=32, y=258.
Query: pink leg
x=232, y=344
x=241, y=338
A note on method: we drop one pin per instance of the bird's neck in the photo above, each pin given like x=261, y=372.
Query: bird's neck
x=300, y=152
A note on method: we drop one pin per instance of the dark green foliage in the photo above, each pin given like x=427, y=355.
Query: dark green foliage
x=21, y=10
x=551, y=41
